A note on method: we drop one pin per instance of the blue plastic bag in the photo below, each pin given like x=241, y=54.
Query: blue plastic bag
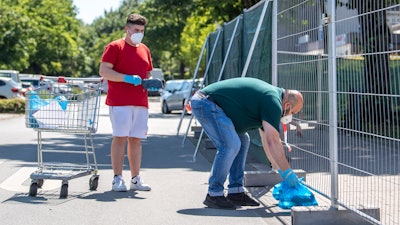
x=35, y=102
x=293, y=196
x=62, y=101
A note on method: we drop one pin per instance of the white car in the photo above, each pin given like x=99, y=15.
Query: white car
x=62, y=88
x=9, y=88
x=38, y=84
x=13, y=74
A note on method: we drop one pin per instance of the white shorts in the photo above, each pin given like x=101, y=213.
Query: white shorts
x=129, y=121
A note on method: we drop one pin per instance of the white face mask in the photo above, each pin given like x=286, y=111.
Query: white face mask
x=136, y=38
x=286, y=119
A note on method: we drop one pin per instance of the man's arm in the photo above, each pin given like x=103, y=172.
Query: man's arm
x=299, y=130
x=106, y=70
x=274, y=150
x=273, y=147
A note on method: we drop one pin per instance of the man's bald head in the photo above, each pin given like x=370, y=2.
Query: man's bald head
x=295, y=99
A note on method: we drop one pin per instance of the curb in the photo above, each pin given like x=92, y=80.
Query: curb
x=4, y=116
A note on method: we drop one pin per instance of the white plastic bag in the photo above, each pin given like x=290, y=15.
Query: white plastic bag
x=51, y=116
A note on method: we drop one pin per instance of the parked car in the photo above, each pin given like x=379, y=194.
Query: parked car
x=61, y=88
x=13, y=74
x=39, y=83
x=175, y=94
x=9, y=88
x=26, y=87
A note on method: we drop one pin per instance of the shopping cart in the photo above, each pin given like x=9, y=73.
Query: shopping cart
x=68, y=110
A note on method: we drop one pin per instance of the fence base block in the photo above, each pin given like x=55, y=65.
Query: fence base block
x=196, y=128
x=316, y=215
x=209, y=144
x=259, y=178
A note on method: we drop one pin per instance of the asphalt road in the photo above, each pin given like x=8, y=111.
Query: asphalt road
x=179, y=185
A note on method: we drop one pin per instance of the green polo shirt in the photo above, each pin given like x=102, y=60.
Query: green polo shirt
x=247, y=101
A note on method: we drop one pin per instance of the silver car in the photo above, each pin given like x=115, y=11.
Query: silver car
x=175, y=94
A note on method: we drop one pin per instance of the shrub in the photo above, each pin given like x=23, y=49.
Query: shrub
x=12, y=105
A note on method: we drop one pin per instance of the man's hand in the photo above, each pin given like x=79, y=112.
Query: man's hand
x=133, y=79
x=299, y=130
x=289, y=177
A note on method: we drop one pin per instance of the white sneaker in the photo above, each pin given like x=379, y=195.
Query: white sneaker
x=137, y=183
x=118, y=184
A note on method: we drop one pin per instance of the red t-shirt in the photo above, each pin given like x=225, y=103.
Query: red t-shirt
x=130, y=60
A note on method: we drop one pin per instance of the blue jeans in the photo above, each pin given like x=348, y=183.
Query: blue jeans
x=232, y=148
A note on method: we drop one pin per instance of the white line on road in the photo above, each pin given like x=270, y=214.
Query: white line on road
x=16, y=181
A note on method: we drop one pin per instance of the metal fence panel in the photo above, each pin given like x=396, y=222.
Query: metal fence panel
x=350, y=147
x=367, y=92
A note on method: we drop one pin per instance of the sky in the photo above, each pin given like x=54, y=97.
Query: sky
x=91, y=9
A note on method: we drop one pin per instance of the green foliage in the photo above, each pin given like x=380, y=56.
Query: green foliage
x=45, y=37
x=12, y=105
x=193, y=38
x=40, y=36
x=15, y=42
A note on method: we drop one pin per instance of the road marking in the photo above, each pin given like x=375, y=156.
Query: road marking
x=16, y=181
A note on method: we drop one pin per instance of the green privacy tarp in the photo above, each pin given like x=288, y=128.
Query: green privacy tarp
x=260, y=62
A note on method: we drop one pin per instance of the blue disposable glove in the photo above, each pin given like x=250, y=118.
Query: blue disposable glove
x=133, y=79
x=289, y=177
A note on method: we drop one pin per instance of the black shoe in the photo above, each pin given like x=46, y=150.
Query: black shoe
x=242, y=199
x=218, y=202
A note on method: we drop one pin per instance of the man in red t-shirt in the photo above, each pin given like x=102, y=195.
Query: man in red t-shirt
x=125, y=63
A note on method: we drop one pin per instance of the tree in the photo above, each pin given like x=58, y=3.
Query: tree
x=41, y=37
x=193, y=38
x=164, y=31
x=204, y=19
x=56, y=31
x=375, y=36
x=16, y=43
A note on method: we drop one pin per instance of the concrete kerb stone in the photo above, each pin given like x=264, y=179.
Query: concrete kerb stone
x=317, y=215
x=4, y=116
x=264, y=176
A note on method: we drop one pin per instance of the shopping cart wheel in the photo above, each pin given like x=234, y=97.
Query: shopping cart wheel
x=40, y=183
x=64, y=190
x=33, y=189
x=93, y=182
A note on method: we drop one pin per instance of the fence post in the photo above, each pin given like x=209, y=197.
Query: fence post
x=255, y=38
x=219, y=78
x=204, y=78
x=194, y=78
x=274, y=60
x=333, y=134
